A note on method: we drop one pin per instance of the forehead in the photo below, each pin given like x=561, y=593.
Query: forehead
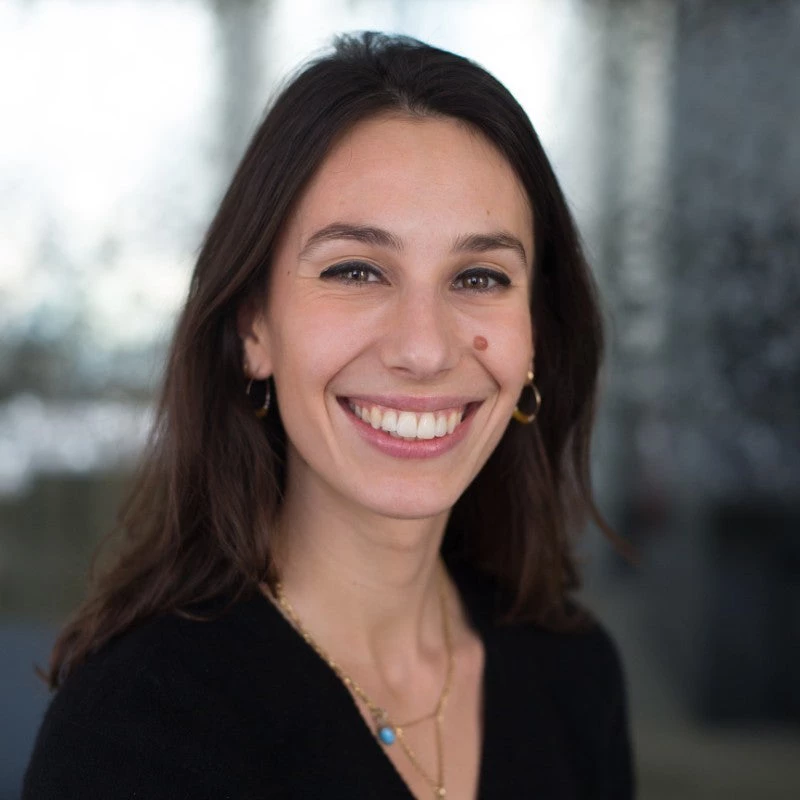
x=415, y=176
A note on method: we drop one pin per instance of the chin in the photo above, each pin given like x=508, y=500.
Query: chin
x=410, y=503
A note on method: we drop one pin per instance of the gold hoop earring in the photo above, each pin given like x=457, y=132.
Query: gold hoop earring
x=260, y=410
x=521, y=416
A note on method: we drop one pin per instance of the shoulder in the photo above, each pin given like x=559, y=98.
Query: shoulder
x=572, y=680
x=582, y=659
x=140, y=716
x=580, y=673
x=163, y=661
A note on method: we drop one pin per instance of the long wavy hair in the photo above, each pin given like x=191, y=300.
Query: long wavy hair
x=198, y=518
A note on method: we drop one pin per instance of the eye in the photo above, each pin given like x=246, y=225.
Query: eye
x=353, y=272
x=481, y=279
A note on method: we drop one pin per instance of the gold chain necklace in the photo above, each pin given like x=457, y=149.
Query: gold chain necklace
x=387, y=731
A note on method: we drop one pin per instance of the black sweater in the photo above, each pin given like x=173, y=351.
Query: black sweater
x=241, y=707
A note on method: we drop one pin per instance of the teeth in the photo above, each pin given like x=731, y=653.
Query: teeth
x=426, y=427
x=389, y=421
x=408, y=424
x=452, y=420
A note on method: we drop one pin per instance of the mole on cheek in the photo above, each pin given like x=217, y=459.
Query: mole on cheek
x=480, y=343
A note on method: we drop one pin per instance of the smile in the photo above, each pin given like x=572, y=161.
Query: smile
x=409, y=425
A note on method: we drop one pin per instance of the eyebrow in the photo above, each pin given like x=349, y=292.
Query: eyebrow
x=366, y=234
x=484, y=242
x=378, y=237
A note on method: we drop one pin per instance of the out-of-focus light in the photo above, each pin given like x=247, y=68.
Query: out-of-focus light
x=38, y=437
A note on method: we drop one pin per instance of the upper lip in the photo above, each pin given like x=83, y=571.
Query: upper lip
x=411, y=403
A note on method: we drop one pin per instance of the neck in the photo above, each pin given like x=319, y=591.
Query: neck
x=364, y=585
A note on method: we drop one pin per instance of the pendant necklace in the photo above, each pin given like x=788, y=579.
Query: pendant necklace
x=387, y=731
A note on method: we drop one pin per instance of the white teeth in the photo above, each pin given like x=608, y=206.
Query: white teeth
x=389, y=421
x=452, y=420
x=375, y=417
x=408, y=424
x=426, y=427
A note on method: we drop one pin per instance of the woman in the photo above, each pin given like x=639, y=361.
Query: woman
x=344, y=566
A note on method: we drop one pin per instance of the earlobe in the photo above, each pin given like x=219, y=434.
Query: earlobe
x=254, y=333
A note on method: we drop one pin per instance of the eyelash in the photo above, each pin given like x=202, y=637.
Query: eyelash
x=501, y=280
x=346, y=271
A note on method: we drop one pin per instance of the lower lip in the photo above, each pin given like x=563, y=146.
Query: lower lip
x=408, y=448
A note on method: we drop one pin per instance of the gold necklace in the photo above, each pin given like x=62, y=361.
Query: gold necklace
x=386, y=731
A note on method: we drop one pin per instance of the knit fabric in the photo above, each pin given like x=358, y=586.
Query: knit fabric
x=240, y=707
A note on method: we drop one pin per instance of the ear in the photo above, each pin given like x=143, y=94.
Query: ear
x=533, y=343
x=251, y=323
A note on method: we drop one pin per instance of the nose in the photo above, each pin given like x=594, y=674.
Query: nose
x=421, y=338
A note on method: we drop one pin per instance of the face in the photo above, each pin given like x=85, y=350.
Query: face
x=397, y=327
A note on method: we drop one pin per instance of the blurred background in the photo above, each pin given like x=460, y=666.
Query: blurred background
x=673, y=126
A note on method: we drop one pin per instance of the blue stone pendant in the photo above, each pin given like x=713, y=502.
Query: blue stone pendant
x=387, y=734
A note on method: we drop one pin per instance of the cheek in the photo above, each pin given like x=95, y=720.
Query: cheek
x=504, y=345
x=316, y=341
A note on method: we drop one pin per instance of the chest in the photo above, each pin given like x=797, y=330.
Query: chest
x=500, y=738
x=288, y=727
x=447, y=751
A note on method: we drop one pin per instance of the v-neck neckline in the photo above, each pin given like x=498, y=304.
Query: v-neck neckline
x=479, y=619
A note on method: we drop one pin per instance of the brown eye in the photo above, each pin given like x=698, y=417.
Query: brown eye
x=475, y=282
x=358, y=274
x=481, y=280
x=352, y=272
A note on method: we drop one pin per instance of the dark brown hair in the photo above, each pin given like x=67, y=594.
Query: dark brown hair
x=197, y=522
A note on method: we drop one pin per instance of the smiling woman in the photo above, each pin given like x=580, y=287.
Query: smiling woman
x=409, y=241
x=344, y=568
